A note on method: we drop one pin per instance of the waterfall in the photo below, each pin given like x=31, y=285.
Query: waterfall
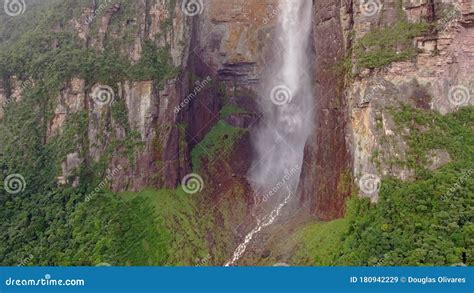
x=286, y=101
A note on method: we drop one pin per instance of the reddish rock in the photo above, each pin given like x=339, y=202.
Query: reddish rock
x=327, y=159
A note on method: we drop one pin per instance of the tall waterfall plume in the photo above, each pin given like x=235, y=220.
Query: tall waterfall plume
x=286, y=101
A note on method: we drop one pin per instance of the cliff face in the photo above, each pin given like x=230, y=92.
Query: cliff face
x=356, y=139
x=325, y=182
x=149, y=122
x=439, y=78
x=219, y=52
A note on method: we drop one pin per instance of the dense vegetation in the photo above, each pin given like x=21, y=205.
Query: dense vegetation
x=219, y=141
x=51, y=225
x=391, y=43
x=426, y=222
x=381, y=46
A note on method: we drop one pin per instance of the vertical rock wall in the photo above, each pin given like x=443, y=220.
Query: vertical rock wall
x=325, y=181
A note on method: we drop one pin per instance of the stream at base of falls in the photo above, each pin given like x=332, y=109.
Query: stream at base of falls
x=286, y=101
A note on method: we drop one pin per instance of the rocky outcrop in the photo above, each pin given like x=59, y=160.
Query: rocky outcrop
x=147, y=143
x=72, y=99
x=227, y=43
x=217, y=52
x=11, y=90
x=162, y=156
x=353, y=115
x=325, y=180
x=438, y=78
x=72, y=162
